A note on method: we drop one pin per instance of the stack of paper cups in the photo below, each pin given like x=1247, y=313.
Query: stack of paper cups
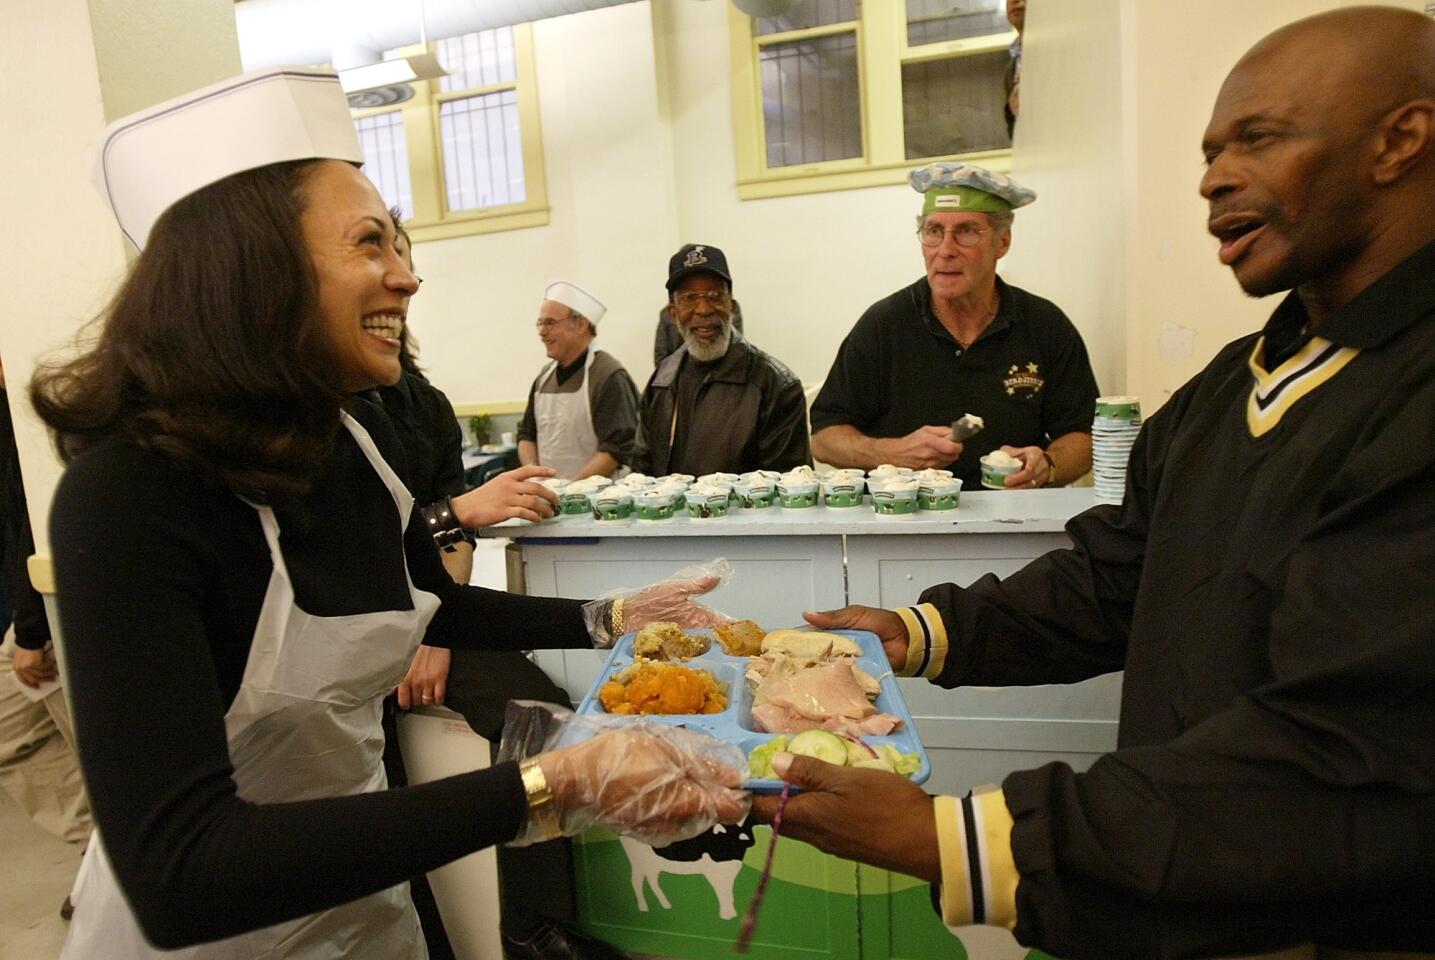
x=1113, y=432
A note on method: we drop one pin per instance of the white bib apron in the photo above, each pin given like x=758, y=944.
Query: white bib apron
x=305, y=724
x=566, y=438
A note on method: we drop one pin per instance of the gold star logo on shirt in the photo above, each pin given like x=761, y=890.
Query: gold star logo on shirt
x=1031, y=368
x=1011, y=391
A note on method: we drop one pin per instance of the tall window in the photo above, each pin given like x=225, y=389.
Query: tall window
x=479, y=121
x=811, y=91
x=386, y=157
x=846, y=93
x=464, y=154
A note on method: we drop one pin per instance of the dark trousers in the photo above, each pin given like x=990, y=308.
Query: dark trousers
x=535, y=883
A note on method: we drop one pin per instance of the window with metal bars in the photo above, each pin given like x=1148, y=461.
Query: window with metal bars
x=845, y=93
x=463, y=154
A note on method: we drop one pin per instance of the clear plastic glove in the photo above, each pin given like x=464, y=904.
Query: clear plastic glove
x=625, y=610
x=642, y=778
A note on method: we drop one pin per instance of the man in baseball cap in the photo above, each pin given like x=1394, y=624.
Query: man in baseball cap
x=717, y=404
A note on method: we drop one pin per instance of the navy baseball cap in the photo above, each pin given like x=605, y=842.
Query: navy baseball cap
x=697, y=258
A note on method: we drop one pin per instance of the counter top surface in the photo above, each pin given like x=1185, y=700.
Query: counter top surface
x=988, y=511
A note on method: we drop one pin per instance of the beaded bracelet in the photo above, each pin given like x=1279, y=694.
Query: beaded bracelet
x=617, y=618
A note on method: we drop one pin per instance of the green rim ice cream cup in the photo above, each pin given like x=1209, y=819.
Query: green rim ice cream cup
x=994, y=474
x=1119, y=408
x=573, y=504
x=708, y=507
x=842, y=492
x=940, y=496
x=613, y=506
x=753, y=493
x=797, y=496
x=894, y=503
x=653, y=505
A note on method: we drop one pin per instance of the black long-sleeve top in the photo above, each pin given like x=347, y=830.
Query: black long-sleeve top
x=160, y=578
x=1267, y=587
x=32, y=629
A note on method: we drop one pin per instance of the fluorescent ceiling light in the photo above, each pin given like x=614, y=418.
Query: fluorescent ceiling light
x=418, y=66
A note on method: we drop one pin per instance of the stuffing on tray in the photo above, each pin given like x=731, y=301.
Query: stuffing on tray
x=741, y=638
x=661, y=640
x=649, y=687
x=810, y=644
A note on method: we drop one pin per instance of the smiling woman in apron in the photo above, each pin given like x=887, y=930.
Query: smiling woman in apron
x=582, y=411
x=242, y=577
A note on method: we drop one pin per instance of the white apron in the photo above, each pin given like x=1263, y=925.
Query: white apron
x=305, y=724
x=566, y=438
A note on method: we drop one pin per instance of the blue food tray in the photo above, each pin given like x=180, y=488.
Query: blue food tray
x=735, y=724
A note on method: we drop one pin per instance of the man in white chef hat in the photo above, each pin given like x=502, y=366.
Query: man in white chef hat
x=582, y=410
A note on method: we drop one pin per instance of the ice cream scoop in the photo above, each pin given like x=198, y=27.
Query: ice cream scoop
x=965, y=427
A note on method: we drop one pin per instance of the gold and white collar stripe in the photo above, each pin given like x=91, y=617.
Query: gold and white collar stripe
x=1277, y=391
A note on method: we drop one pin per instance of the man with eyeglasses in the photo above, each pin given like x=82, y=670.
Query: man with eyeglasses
x=718, y=404
x=583, y=407
x=961, y=340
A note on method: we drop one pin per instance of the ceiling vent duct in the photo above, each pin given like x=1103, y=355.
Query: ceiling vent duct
x=353, y=33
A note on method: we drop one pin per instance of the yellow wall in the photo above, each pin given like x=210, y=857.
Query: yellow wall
x=1182, y=305
x=151, y=50
x=67, y=72
x=67, y=250
x=1069, y=245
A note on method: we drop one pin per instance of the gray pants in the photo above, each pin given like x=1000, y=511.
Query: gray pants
x=38, y=764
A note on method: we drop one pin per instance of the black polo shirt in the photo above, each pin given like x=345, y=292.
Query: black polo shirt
x=1027, y=376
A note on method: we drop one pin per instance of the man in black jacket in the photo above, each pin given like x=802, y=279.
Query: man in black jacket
x=718, y=404
x=1265, y=585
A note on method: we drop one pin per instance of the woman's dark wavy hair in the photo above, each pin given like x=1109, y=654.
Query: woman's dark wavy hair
x=212, y=352
x=408, y=344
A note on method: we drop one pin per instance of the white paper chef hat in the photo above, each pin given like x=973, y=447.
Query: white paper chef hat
x=577, y=299
x=154, y=158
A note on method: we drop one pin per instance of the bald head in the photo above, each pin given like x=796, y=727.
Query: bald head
x=1321, y=153
x=1384, y=55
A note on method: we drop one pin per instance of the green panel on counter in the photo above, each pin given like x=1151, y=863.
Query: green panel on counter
x=816, y=906
x=810, y=910
x=898, y=922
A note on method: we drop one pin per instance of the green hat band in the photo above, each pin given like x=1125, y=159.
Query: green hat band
x=962, y=200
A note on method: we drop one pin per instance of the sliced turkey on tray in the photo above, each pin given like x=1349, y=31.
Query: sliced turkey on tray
x=795, y=695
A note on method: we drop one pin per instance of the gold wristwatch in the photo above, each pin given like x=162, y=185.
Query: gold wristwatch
x=542, y=810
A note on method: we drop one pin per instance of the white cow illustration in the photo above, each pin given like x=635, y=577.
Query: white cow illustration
x=647, y=866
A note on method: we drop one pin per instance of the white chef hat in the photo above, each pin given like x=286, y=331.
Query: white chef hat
x=577, y=299
x=154, y=158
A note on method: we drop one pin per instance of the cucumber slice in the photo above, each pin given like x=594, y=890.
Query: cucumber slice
x=827, y=747
x=857, y=751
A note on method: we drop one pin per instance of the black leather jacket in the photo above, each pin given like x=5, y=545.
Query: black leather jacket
x=750, y=414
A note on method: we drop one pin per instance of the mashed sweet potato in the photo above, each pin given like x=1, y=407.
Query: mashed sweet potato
x=647, y=687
